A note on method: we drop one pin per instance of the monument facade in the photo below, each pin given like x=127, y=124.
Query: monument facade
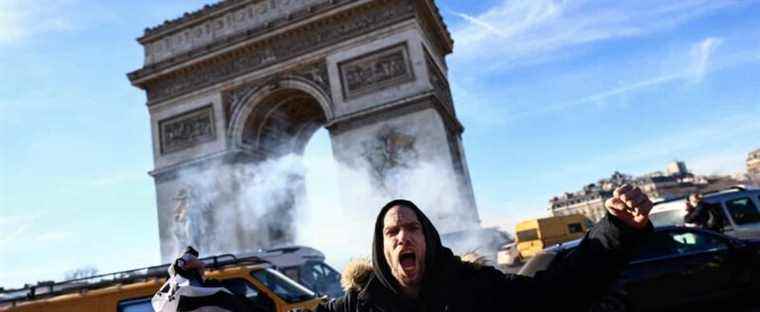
x=241, y=82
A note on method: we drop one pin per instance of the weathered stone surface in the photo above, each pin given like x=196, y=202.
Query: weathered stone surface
x=233, y=21
x=372, y=72
x=237, y=84
x=440, y=83
x=187, y=130
x=310, y=37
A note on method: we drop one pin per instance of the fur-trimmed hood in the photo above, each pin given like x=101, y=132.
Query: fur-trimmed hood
x=356, y=274
x=358, y=271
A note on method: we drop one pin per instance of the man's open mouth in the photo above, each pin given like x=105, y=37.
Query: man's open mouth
x=408, y=260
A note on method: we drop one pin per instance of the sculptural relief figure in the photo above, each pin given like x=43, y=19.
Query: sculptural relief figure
x=387, y=153
x=189, y=224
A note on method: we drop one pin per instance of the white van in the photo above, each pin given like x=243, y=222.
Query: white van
x=305, y=265
x=740, y=208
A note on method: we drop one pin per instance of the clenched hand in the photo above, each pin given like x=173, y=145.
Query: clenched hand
x=630, y=205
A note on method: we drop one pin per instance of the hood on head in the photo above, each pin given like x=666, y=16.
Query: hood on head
x=432, y=246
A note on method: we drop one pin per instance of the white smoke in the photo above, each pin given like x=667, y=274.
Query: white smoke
x=334, y=205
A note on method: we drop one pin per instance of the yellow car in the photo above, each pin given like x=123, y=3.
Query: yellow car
x=252, y=279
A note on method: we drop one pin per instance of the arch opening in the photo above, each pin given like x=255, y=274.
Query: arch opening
x=282, y=123
x=278, y=126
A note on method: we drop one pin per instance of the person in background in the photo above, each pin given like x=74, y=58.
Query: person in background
x=700, y=215
x=189, y=266
x=186, y=290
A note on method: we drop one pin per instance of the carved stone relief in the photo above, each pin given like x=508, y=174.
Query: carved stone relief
x=234, y=21
x=187, y=130
x=315, y=73
x=390, y=150
x=377, y=70
x=279, y=48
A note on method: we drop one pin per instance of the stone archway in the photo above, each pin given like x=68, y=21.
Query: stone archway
x=239, y=83
x=279, y=117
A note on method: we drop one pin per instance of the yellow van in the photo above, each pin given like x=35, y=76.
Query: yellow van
x=263, y=289
x=535, y=234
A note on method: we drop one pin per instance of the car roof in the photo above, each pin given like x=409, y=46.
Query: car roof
x=711, y=196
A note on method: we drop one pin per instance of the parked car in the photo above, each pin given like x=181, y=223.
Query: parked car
x=508, y=256
x=305, y=265
x=677, y=267
x=737, y=205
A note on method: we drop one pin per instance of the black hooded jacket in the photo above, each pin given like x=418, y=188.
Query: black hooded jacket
x=449, y=284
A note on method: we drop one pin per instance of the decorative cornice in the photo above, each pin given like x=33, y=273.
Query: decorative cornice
x=171, y=172
x=401, y=107
x=445, y=42
x=222, y=43
x=206, y=10
x=278, y=48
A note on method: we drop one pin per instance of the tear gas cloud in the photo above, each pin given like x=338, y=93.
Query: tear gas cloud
x=316, y=201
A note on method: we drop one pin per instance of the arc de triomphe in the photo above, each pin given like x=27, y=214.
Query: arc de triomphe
x=241, y=82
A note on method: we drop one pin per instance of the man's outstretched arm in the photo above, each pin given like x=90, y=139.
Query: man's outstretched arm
x=585, y=274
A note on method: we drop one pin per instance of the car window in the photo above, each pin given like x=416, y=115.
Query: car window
x=667, y=217
x=283, y=286
x=743, y=210
x=292, y=272
x=689, y=242
x=674, y=243
x=241, y=287
x=136, y=305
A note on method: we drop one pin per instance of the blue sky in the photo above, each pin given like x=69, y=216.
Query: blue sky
x=553, y=95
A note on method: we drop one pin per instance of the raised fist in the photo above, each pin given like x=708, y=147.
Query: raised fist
x=630, y=205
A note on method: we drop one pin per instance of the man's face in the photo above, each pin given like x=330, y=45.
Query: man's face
x=404, y=246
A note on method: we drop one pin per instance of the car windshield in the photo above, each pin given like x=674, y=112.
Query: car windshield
x=667, y=217
x=281, y=285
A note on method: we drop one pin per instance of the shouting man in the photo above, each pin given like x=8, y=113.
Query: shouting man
x=412, y=271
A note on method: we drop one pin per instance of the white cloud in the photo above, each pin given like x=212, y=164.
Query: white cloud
x=13, y=227
x=701, y=54
x=719, y=162
x=701, y=60
x=521, y=31
x=52, y=236
x=710, y=137
x=21, y=19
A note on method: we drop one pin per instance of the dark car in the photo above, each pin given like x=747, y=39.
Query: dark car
x=678, y=267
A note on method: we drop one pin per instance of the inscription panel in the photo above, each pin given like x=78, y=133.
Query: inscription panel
x=374, y=71
x=187, y=130
x=234, y=21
